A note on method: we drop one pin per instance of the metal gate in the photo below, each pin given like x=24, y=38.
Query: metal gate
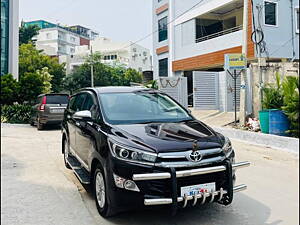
x=206, y=85
x=176, y=87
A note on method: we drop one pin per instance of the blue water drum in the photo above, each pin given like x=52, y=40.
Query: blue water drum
x=278, y=123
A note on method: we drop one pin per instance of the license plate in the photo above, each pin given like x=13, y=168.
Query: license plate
x=57, y=110
x=197, y=189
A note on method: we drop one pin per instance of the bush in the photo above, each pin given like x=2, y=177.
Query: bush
x=16, y=113
x=290, y=87
x=9, y=89
x=273, y=96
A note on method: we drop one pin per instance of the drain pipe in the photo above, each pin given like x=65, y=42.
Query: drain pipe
x=293, y=40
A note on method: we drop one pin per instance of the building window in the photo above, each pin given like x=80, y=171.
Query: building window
x=4, y=36
x=72, y=39
x=297, y=20
x=72, y=50
x=271, y=13
x=48, y=35
x=163, y=67
x=163, y=29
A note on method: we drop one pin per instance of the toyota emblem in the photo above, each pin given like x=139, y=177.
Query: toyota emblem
x=195, y=156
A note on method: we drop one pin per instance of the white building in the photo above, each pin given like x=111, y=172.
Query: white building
x=10, y=37
x=57, y=41
x=129, y=54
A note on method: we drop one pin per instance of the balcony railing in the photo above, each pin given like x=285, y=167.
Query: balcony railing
x=218, y=34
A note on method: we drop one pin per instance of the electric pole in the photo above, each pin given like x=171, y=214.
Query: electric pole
x=244, y=72
x=92, y=68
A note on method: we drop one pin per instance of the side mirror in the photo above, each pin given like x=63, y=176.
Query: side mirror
x=83, y=115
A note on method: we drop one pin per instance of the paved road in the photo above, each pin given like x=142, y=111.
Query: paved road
x=37, y=189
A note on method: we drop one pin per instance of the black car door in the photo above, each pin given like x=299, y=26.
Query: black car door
x=86, y=129
x=75, y=105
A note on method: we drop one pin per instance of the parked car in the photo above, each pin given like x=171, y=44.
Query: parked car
x=138, y=147
x=49, y=109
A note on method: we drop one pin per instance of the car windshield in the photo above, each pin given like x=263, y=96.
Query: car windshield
x=141, y=107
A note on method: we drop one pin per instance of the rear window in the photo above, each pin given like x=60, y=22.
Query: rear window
x=57, y=99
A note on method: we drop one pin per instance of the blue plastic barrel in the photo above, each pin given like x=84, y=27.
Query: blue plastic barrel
x=278, y=122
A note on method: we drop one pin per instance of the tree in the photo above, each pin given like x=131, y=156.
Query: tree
x=132, y=75
x=9, y=89
x=31, y=60
x=31, y=85
x=46, y=78
x=26, y=33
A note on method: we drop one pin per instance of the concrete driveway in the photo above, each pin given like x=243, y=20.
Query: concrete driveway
x=37, y=190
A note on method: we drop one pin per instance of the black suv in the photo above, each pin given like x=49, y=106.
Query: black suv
x=138, y=147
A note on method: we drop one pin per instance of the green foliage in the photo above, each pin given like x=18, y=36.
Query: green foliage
x=26, y=33
x=284, y=95
x=31, y=60
x=152, y=84
x=104, y=75
x=273, y=96
x=16, y=113
x=9, y=89
x=290, y=87
x=31, y=85
x=131, y=75
x=46, y=78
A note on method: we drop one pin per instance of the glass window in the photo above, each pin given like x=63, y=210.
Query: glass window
x=77, y=105
x=297, y=20
x=271, y=13
x=88, y=103
x=4, y=36
x=163, y=67
x=141, y=107
x=163, y=29
x=57, y=99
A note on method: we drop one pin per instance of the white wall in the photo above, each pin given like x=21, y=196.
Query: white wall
x=57, y=41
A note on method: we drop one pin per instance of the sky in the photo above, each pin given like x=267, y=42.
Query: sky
x=120, y=20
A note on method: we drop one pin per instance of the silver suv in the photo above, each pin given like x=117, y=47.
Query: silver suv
x=49, y=109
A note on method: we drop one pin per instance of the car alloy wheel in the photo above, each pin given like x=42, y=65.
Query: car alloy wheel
x=100, y=189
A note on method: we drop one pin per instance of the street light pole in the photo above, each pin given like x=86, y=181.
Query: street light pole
x=92, y=68
x=244, y=72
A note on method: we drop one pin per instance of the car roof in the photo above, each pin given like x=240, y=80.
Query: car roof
x=118, y=89
x=52, y=94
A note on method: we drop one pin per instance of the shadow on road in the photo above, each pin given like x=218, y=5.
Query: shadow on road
x=243, y=211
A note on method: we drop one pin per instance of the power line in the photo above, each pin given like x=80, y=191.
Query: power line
x=284, y=44
x=148, y=35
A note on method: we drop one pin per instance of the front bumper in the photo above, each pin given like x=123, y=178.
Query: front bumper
x=175, y=176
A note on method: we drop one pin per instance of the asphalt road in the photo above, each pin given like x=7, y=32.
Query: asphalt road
x=36, y=189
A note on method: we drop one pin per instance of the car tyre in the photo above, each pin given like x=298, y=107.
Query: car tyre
x=66, y=153
x=40, y=126
x=100, y=193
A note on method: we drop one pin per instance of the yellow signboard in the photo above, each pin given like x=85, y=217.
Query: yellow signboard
x=235, y=62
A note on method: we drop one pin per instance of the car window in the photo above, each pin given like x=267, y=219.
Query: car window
x=71, y=105
x=88, y=103
x=57, y=99
x=78, y=101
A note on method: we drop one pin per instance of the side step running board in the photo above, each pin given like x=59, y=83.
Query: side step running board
x=79, y=171
x=82, y=175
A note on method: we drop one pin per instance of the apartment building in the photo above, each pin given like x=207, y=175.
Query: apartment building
x=56, y=40
x=194, y=35
x=128, y=54
x=10, y=37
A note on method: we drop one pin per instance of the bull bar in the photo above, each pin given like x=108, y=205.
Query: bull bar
x=216, y=195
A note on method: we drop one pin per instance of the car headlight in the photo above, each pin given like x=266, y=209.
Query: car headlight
x=130, y=154
x=227, y=147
